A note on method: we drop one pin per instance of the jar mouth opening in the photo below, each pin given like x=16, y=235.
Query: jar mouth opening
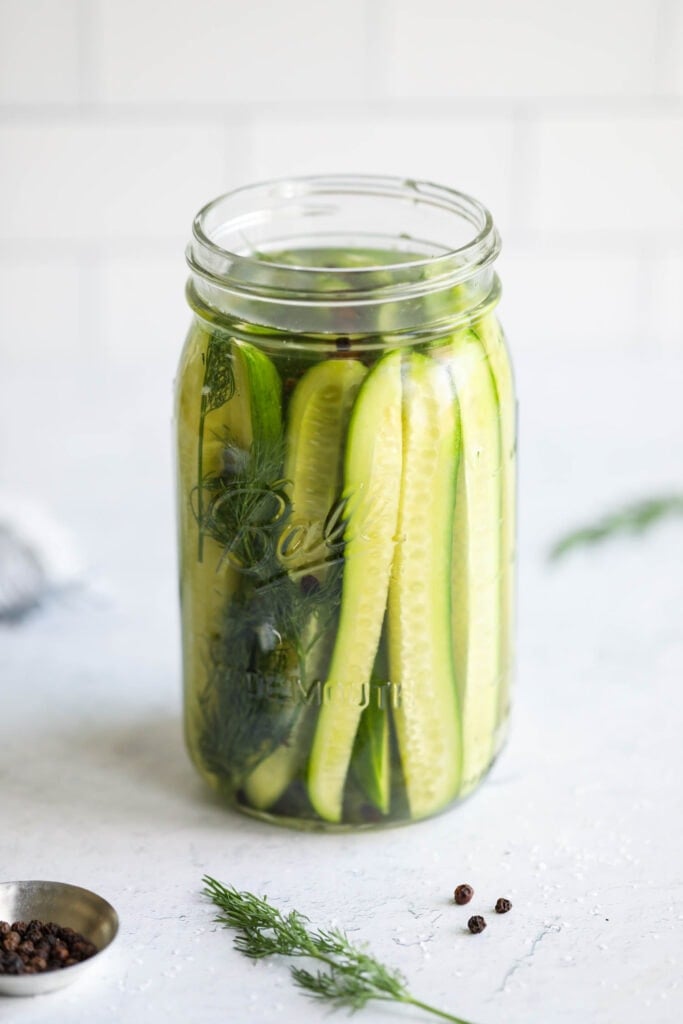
x=424, y=237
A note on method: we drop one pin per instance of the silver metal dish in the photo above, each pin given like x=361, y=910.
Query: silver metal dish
x=66, y=905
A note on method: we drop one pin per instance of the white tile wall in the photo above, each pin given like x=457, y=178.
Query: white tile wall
x=621, y=174
x=119, y=118
x=477, y=154
x=144, y=315
x=575, y=301
x=667, y=288
x=673, y=44
x=519, y=48
x=39, y=309
x=75, y=179
x=39, y=51
x=213, y=51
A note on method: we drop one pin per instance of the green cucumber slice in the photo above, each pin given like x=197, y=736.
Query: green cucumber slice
x=476, y=552
x=317, y=422
x=247, y=409
x=270, y=778
x=318, y=418
x=275, y=773
x=371, y=758
x=258, y=383
x=372, y=480
x=492, y=338
x=205, y=586
x=421, y=660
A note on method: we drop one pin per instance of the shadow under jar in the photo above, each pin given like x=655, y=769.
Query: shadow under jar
x=346, y=489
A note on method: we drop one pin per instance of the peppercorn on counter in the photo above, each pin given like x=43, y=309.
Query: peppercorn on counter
x=576, y=826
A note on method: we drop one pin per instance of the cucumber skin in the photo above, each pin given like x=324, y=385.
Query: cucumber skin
x=420, y=644
x=491, y=335
x=491, y=342
x=371, y=487
x=476, y=552
x=263, y=391
x=314, y=484
x=318, y=417
x=370, y=760
x=372, y=755
x=207, y=587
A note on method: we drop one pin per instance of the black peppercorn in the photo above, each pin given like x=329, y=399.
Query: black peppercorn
x=463, y=894
x=476, y=924
x=35, y=947
x=309, y=585
x=502, y=905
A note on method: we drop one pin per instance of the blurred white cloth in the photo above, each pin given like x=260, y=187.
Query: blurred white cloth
x=38, y=557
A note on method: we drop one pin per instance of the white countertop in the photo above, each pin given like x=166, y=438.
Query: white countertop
x=579, y=824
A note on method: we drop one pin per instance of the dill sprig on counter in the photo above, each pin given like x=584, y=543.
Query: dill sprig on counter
x=635, y=518
x=351, y=977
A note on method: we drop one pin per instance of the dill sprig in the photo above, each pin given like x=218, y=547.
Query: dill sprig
x=634, y=518
x=352, y=978
x=245, y=506
x=218, y=388
x=258, y=656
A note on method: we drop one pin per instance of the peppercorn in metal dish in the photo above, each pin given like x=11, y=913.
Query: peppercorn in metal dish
x=37, y=946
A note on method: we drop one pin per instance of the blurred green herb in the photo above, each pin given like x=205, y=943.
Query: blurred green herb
x=635, y=518
x=218, y=388
x=243, y=508
x=258, y=659
x=352, y=978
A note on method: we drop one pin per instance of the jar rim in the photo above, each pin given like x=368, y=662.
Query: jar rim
x=214, y=255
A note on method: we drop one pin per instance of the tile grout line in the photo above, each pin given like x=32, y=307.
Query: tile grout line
x=46, y=250
x=238, y=134
x=664, y=78
x=555, y=243
x=523, y=171
x=90, y=279
x=375, y=29
x=649, y=262
x=90, y=305
x=87, y=54
x=469, y=109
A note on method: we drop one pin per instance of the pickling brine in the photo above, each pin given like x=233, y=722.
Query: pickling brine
x=346, y=490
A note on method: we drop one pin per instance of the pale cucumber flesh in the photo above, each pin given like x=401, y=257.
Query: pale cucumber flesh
x=314, y=443
x=419, y=610
x=492, y=338
x=476, y=552
x=253, y=410
x=347, y=738
x=372, y=476
x=371, y=758
x=208, y=584
x=316, y=431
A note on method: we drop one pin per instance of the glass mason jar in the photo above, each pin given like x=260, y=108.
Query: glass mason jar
x=346, y=488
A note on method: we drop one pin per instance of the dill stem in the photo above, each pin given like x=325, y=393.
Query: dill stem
x=406, y=998
x=432, y=1009
x=200, y=479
